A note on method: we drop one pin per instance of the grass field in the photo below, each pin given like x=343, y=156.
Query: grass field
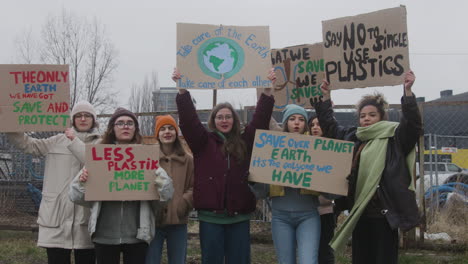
x=19, y=247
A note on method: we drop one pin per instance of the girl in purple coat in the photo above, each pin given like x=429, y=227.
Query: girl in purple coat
x=221, y=162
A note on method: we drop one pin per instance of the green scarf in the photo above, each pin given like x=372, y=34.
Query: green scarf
x=371, y=166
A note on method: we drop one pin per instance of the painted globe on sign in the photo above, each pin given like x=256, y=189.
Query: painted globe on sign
x=220, y=57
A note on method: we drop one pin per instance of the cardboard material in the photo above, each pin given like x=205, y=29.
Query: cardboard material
x=222, y=57
x=366, y=50
x=34, y=98
x=299, y=73
x=121, y=172
x=301, y=161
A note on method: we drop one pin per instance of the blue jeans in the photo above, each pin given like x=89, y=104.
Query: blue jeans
x=296, y=230
x=176, y=240
x=230, y=242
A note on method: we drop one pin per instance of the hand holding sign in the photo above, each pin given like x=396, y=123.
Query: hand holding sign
x=176, y=76
x=70, y=134
x=409, y=81
x=84, y=175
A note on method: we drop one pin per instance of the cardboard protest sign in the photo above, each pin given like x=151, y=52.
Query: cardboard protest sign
x=366, y=50
x=222, y=57
x=299, y=73
x=34, y=98
x=121, y=172
x=301, y=161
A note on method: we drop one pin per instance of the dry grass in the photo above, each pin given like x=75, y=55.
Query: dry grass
x=453, y=220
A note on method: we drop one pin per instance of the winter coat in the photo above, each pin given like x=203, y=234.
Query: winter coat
x=397, y=202
x=220, y=180
x=62, y=224
x=149, y=210
x=180, y=169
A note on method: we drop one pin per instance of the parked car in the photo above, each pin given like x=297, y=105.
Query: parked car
x=440, y=172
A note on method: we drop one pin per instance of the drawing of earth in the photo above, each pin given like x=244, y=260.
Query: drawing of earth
x=220, y=57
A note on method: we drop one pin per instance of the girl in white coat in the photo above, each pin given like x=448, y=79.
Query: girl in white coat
x=63, y=226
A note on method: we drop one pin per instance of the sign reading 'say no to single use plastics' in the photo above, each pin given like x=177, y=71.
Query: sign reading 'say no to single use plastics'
x=301, y=161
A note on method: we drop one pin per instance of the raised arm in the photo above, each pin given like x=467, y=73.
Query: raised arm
x=30, y=145
x=194, y=132
x=326, y=116
x=262, y=116
x=410, y=127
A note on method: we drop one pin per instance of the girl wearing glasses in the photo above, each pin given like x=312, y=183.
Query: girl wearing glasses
x=172, y=225
x=62, y=224
x=122, y=226
x=221, y=193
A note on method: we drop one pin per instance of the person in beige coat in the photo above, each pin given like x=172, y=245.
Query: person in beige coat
x=63, y=226
x=172, y=225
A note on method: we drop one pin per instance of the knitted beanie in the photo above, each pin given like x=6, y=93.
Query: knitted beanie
x=84, y=106
x=292, y=109
x=162, y=121
x=122, y=112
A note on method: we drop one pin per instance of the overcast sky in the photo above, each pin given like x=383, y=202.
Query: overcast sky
x=144, y=33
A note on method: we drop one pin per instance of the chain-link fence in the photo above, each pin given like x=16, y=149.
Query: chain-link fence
x=442, y=175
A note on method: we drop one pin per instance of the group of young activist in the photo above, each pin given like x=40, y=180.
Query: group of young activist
x=213, y=179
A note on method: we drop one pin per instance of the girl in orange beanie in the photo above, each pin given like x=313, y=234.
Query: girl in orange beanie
x=172, y=226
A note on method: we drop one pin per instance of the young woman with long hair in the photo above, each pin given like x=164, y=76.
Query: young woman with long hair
x=122, y=226
x=221, y=160
x=172, y=223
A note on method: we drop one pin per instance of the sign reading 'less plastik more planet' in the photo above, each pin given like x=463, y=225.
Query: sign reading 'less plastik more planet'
x=34, y=98
x=121, y=172
x=366, y=50
x=222, y=57
x=301, y=161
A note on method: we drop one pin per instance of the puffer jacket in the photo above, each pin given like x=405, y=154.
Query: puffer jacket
x=149, y=210
x=220, y=182
x=396, y=201
x=62, y=224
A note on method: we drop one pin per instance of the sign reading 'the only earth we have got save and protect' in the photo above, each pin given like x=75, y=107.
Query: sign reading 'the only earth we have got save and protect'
x=301, y=161
x=222, y=57
x=34, y=97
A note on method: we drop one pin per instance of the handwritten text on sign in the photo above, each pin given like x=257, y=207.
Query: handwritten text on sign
x=301, y=161
x=36, y=97
x=366, y=50
x=221, y=56
x=299, y=72
x=121, y=172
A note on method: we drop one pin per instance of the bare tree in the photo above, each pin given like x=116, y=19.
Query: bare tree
x=85, y=47
x=141, y=101
x=26, y=46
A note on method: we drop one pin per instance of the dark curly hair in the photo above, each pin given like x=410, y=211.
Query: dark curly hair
x=377, y=100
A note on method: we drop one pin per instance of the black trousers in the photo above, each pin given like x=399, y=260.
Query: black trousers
x=327, y=230
x=374, y=242
x=63, y=256
x=110, y=254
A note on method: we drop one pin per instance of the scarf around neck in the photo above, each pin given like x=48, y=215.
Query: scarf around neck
x=371, y=166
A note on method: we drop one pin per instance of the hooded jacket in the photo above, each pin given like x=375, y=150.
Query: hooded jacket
x=62, y=224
